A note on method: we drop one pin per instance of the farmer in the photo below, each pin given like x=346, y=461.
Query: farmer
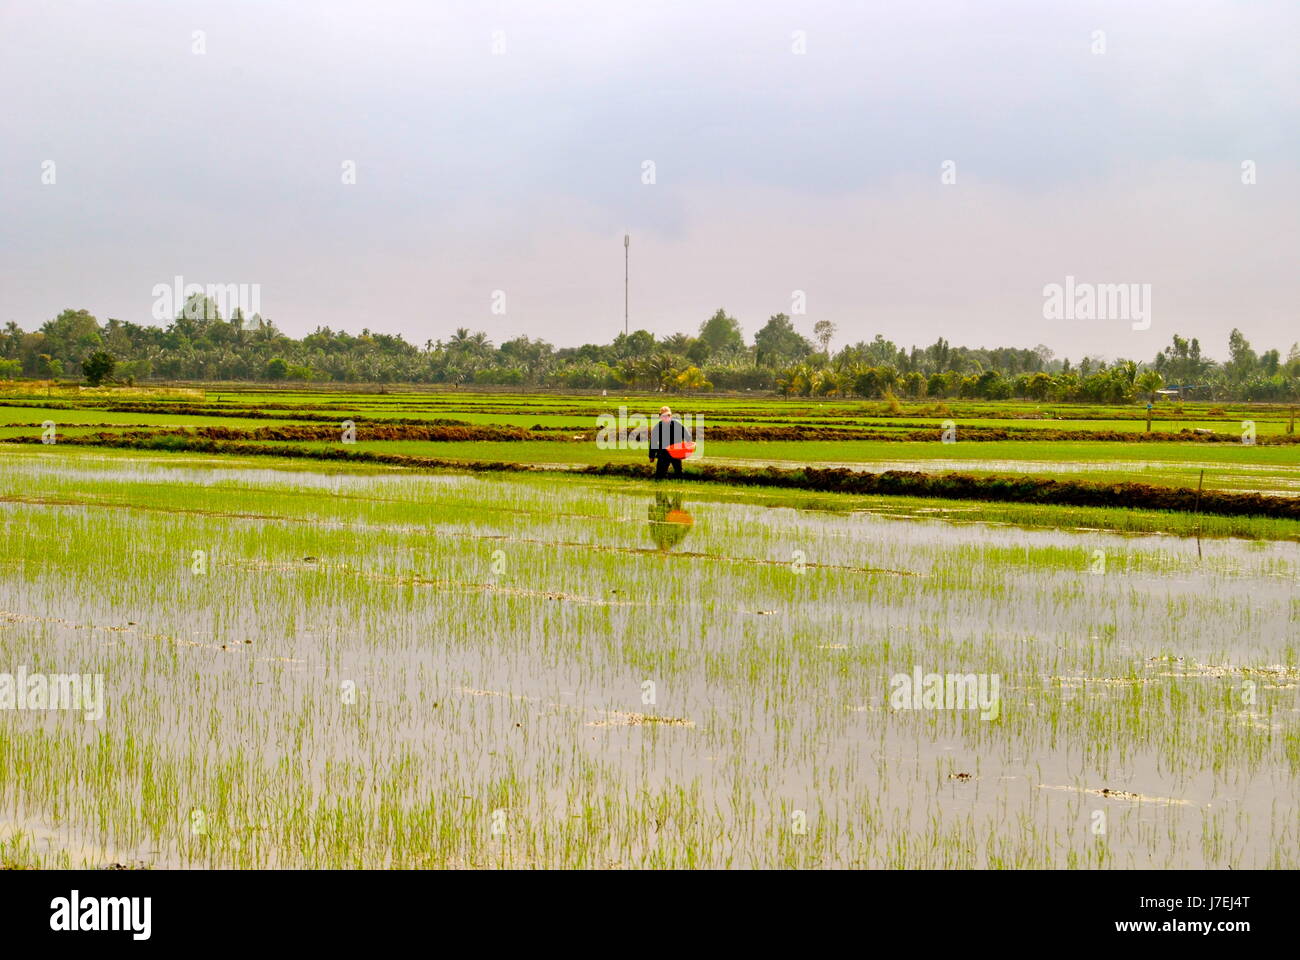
x=665, y=433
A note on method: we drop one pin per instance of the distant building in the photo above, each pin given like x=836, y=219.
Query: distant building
x=1182, y=392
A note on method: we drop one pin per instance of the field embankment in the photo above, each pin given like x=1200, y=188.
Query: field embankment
x=945, y=485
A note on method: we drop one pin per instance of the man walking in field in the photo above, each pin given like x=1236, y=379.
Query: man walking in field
x=666, y=433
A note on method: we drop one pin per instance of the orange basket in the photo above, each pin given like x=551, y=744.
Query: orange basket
x=681, y=450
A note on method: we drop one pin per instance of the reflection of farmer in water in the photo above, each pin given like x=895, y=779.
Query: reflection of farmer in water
x=669, y=522
x=669, y=443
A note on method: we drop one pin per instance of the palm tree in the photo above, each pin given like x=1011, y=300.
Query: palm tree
x=1149, y=381
x=1129, y=370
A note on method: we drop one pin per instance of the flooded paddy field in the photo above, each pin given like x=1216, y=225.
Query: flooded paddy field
x=318, y=667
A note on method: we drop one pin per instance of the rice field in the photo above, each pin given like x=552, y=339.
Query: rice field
x=319, y=665
x=1097, y=444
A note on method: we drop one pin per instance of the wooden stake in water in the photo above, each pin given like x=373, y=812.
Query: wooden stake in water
x=1199, y=484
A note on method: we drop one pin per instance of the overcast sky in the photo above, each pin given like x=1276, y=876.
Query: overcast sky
x=520, y=169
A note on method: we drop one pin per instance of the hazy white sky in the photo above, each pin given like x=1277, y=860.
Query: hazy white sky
x=775, y=171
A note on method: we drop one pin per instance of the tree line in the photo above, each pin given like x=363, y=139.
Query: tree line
x=201, y=345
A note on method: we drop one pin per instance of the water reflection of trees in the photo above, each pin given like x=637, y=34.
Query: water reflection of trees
x=669, y=521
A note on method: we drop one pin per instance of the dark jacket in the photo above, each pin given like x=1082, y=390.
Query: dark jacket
x=664, y=435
